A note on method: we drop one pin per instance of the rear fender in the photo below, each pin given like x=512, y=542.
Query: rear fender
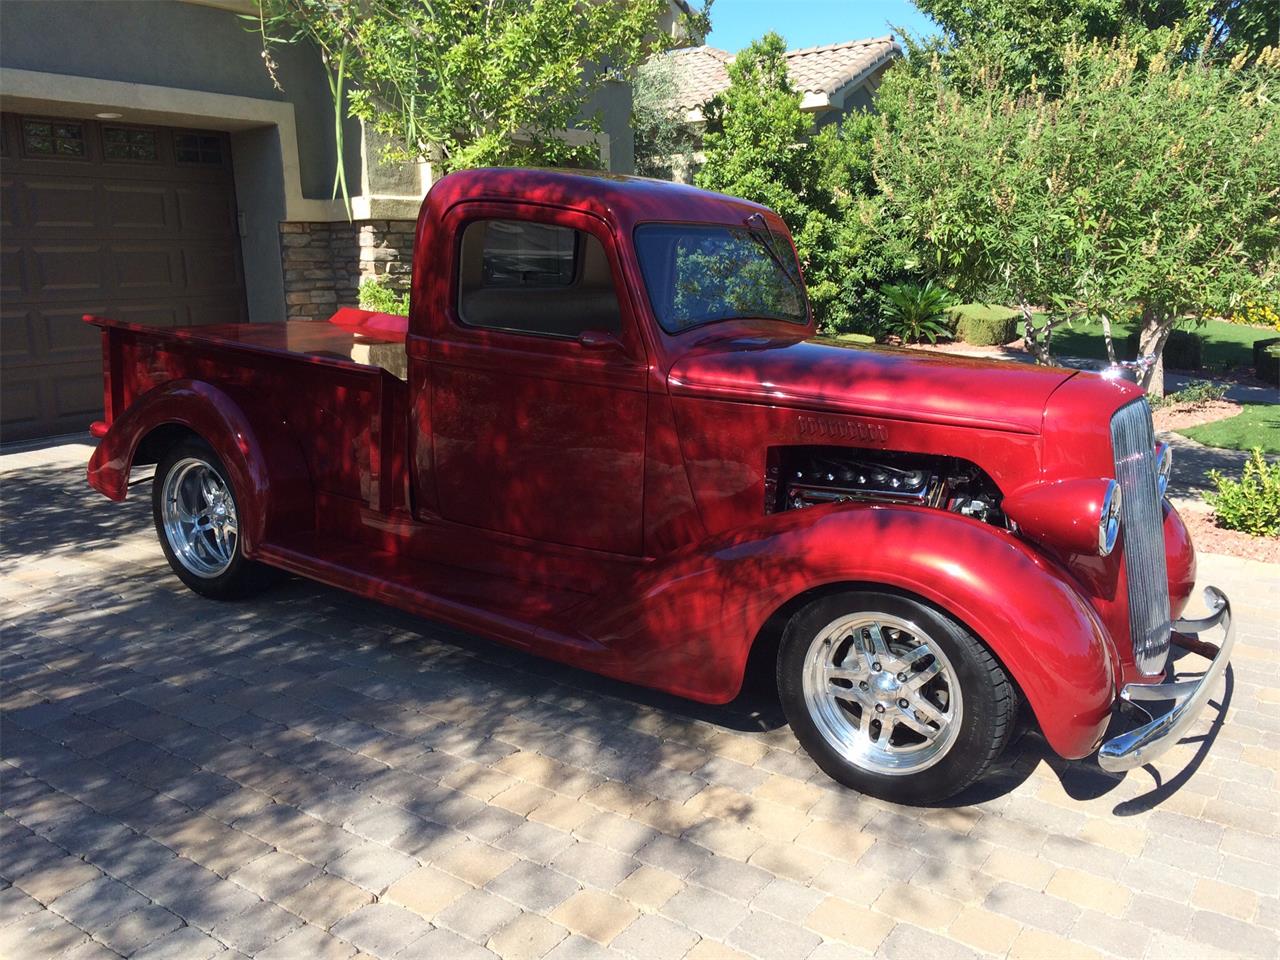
x=267, y=469
x=690, y=620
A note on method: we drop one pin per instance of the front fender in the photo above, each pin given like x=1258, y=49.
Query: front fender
x=267, y=471
x=689, y=619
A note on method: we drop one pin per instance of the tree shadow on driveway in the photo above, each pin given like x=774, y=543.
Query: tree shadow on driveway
x=182, y=745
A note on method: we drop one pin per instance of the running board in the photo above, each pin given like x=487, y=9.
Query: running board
x=504, y=609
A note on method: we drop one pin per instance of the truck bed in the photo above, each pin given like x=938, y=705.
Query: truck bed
x=351, y=337
x=335, y=396
x=338, y=389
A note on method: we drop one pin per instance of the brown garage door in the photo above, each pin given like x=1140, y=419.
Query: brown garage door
x=137, y=223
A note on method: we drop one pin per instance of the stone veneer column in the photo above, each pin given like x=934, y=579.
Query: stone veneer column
x=325, y=262
x=386, y=251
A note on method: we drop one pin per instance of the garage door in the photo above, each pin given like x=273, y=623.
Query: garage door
x=136, y=223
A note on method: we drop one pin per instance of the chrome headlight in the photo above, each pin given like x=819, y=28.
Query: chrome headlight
x=1080, y=516
x=1164, y=464
x=1109, y=519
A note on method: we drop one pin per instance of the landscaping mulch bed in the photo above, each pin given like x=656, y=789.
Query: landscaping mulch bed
x=1210, y=538
x=1183, y=415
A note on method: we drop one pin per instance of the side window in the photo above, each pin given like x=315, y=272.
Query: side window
x=535, y=278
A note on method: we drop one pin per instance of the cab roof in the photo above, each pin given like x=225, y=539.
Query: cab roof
x=624, y=200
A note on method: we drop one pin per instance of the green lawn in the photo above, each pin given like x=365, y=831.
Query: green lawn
x=1258, y=425
x=1226, y=345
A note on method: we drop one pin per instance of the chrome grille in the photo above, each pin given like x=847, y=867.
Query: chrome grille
x=1142, y=530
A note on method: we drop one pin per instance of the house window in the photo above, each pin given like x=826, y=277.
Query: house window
x=197, y=148
x=53, y=138
x=128, y=143
x=538, y=278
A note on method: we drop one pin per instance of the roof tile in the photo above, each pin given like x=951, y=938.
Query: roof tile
x=700, y=73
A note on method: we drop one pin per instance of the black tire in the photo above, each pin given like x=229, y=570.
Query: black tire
x=241, y=577
x=987, y=697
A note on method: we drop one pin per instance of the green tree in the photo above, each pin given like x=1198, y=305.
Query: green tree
x=664, y=140
x=1032, y=36
x=469, y=84
x=757, y=143
x=1150, y=191
x=760, y=145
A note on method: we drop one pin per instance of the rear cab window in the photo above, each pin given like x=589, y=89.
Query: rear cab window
x=535, y=278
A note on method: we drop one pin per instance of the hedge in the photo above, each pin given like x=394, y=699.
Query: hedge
x=1266, y=359
x=985, y=325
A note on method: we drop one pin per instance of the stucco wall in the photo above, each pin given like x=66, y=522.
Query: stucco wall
x=172, y=48
x=172, y=44
x=613, y=101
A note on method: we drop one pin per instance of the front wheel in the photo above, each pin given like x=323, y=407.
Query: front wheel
x=198, y=522
x=893, y=697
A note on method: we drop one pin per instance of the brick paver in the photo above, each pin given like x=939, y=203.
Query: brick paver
x=310, y=775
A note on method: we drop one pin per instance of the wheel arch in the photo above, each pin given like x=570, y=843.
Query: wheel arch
x=1023, y=609
x=161, y=438
x=763, y=654
x=690, y=622
x=267, y=468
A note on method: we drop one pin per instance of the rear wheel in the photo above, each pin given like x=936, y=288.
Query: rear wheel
x=892, y=697
x=197, y=519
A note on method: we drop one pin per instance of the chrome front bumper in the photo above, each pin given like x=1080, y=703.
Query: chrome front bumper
x=1185, y=697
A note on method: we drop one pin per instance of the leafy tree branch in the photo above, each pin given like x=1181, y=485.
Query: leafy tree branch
x=463, y=83
x=1145, y=190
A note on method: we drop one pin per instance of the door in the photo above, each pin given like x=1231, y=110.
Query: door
x=538, y=382
x=137, y=223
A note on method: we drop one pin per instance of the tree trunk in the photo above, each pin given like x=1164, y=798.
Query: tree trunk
x=1108, y=339
x=1155, y=377
x=1151, y=341
x=1038, y=342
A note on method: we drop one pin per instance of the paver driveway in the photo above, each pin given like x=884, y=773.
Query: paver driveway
x=310, y=775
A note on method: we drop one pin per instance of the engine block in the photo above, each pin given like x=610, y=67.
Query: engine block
x=799, y=477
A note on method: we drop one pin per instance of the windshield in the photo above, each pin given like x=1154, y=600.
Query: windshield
x=701, y=273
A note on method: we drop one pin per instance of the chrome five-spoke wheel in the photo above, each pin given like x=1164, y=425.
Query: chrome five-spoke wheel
x=882, y=693
x=893, y=696
x=199, y=517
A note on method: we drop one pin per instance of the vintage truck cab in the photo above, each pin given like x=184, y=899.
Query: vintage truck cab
x=607, y=433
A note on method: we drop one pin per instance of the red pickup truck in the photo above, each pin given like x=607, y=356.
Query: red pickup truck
x=607, y=433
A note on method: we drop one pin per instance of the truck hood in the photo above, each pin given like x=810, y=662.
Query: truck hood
x=837, y=377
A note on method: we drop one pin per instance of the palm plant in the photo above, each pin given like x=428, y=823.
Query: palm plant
x=915, y=312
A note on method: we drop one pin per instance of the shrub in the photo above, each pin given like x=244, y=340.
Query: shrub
x=1182, y=351
x=664, y=140
x=376, y=295
x=1194, y=394
x=1266, y=359
x=915, y=312
x=466, y=84
x=985, y=324
x=1252, y=503
x=1256, y=314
